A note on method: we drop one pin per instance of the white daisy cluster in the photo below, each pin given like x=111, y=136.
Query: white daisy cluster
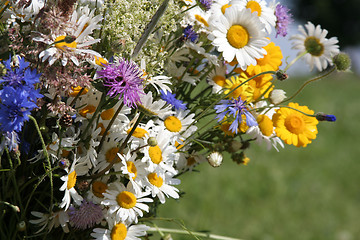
x=119, y=115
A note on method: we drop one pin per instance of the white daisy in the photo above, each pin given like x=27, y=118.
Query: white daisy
x=120, y=231
x=265, y=13
x=89, y=154
x=151, y=107
x=160, y=185
x=72, y=42
x=217, y=78
x=215, y=159
x=69, y=184
x=320, y=50
x=50, y=220
x=197, y=16
x=178, y=74
x=239, y=34
x=125, y=203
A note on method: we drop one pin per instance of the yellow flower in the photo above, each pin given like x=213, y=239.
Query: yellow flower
x=245, y=91
x=293, y=127
x=270, y=62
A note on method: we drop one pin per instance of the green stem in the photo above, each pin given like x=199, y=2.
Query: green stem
x=49, y=171
x=309, y=81
x=294, y=60
x=200, y=234
x=109, y=126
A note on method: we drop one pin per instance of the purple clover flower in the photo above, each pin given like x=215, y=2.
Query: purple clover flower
x=123, y=80
x=171, y=99
x=189, y=33
x=206, y=4
x=236, y=108
x=86, y=216
x=284, y=18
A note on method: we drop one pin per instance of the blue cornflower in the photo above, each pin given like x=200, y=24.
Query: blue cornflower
x=236, y=108
x=325, y=117
x=171, y=99
x=189, y=33
x=15, y=109
x=21, y=78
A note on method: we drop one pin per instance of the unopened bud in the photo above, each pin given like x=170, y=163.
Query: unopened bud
x=215, y=159
x=2, y=70
x=235, y=146
x=277, y=96
x=342, y=62
x=21, y=226
x=152, y=141
x=281, y=75
x=240, y=158
x=325, y=117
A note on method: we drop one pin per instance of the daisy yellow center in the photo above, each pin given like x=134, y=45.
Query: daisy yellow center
x=155, y=180
x=118, y=232
x=100, y=61
x=61, y=43
x=98, y=188
x=126, y=199
x=238, y=36
x=219, y=80
x=294, y=123
x=155, y=154
x=107, y=114
x=111, y=154
x=313, y=46
x=138, y=132
x=173, y=124
x=254, y=6
x=201, y=19
x=265, y=124
x=71, y=180
x=88, y=109
x=132, y=168
x=224, y=7
x=190, y=161
x=76, y=90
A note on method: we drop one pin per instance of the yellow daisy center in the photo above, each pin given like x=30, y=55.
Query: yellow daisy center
x=201, y=19
x=100, y=61
x=118, y=232
x=98, y=188
x=111, y=154
x=71, y=180
x=294, y=123
x=76, y=90
x=63, y=44
x=155, y=154
x=254, y=6
x=190, y=161
x=313, y=46
x=265, y=124
x=88, y=109
x=126, y=199
x=155, y=180
x=173, y=124
x=238, y=36
x=107, y=114
x=132, y=168
x=224, y=7
x=138, y=132
x=219, y=80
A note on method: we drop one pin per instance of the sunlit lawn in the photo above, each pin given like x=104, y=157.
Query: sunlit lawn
x=298, y=193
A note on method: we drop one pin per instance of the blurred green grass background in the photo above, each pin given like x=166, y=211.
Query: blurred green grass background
x=297, y=193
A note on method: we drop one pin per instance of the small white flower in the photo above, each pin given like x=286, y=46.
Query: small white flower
x=277, y=96
x=320, y=50
x=125, y=203
x=120, y=231
x=59, y=218
x=215, y=159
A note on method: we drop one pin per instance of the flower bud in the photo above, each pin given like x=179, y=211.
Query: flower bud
x=281, y=75
x=277, y=96
x=64, y=163
x=235, y=146
x=215, y=159
x=152, y=141
x=325, y=117
x=2, y=70
x=240, y=158
x=21, y=226
x=342, y=61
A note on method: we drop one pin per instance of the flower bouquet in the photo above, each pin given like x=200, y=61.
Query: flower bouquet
x=104, y=104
